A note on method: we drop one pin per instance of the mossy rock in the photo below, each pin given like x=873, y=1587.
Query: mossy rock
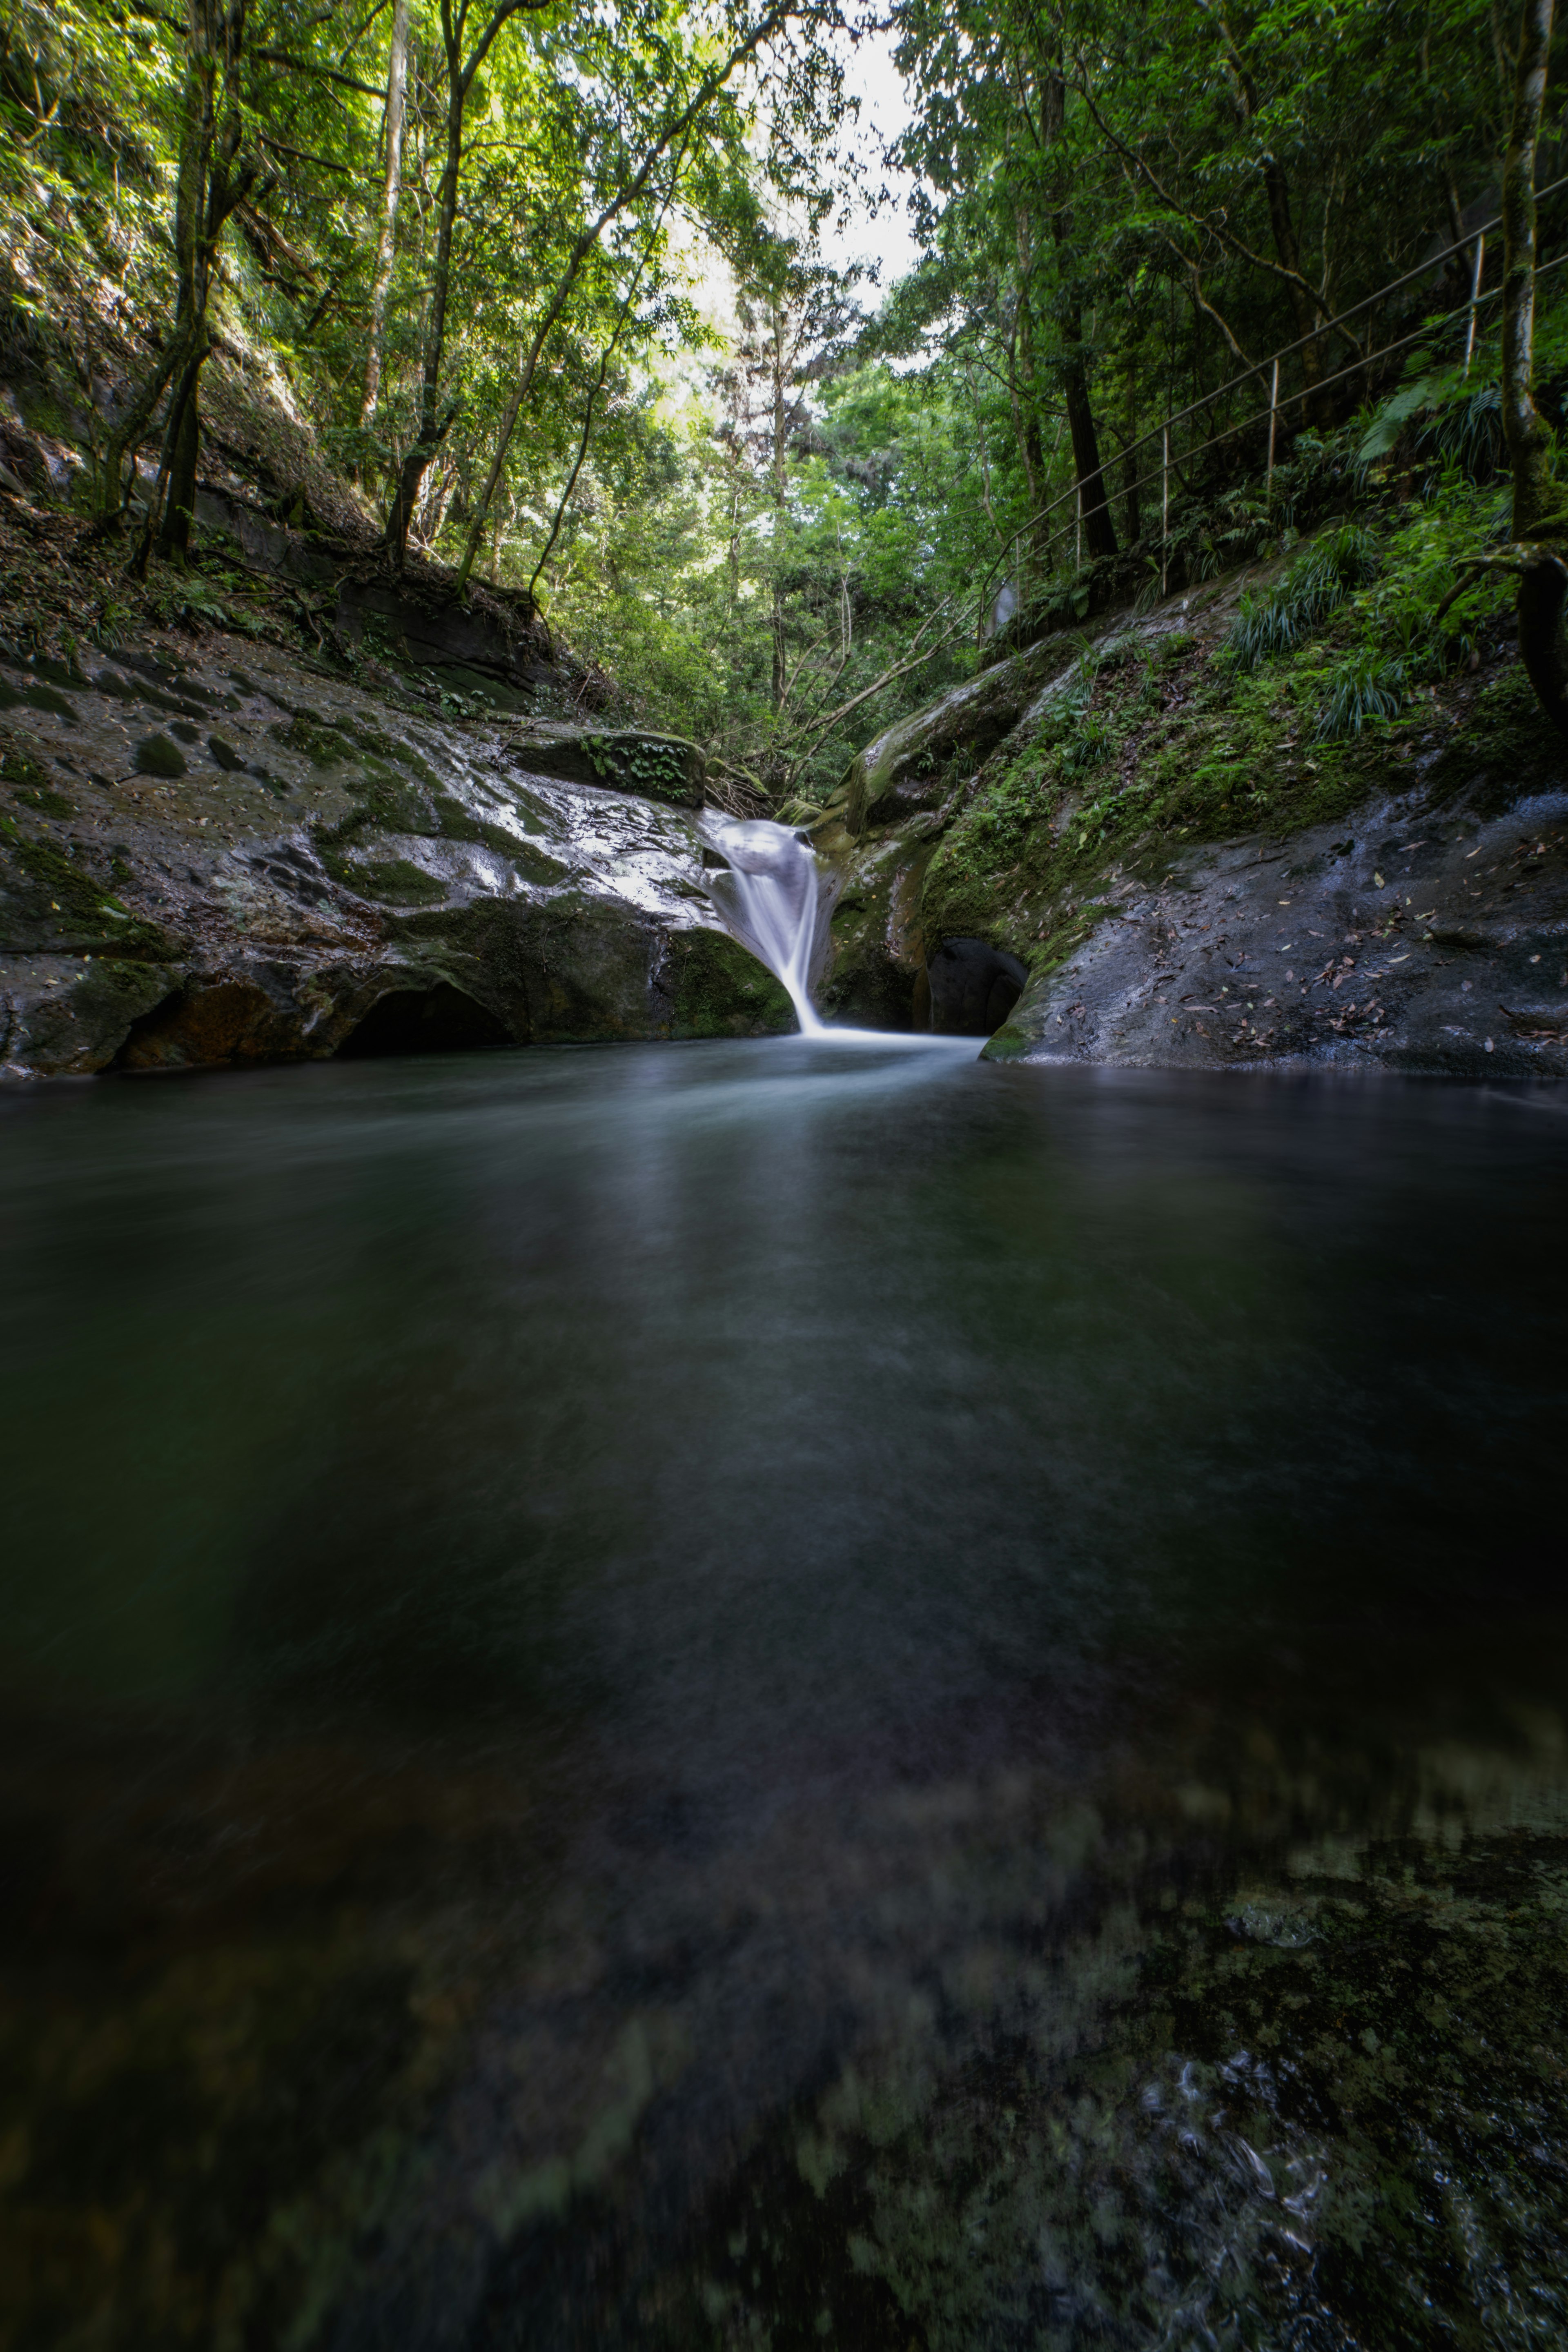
x=396, y=880
x=382, y=801
x=1507, y=748
x=45, y=800
x=321, y=745
x=718, y=990
x=156, y=755
x=460, y=823
x=20, y=765
x=49, y=902
x=392, y=749
x=658, y=767
x=23, y=768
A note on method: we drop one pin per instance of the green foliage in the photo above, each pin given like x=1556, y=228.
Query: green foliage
x=1366, y=687
x=1332, y=566
x=781, y=535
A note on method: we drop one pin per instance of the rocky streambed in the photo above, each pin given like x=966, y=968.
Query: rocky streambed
x=215, y=851
x=225, y=853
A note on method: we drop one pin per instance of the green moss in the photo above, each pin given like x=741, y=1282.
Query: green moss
x=19, y=764
x=380, y=802
x=47, y=802
x=156, y=756
x=394, y=879
x=719, y=991
x=390, y=748
x=321, y=745
x=1507, y=743
x=460, y=823
x=1198, y=753
x=1145, y=746
x=115, y=990
x=51, y=901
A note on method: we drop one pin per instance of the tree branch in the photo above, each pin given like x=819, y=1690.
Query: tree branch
x=309, y=66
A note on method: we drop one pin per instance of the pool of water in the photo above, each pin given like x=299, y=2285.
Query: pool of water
x=779, y=1694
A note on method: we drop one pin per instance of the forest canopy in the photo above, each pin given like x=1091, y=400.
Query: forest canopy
x=560, y=296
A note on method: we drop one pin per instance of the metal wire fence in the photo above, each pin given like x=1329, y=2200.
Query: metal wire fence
x=1475, y=240
x=974, y=617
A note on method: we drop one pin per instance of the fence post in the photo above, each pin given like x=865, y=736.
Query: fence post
x=1475, y=297
x=1273, y=425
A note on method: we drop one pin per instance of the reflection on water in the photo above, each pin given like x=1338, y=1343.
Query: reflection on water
x=771, y=1695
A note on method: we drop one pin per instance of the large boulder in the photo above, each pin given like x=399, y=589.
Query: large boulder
x=312, y=868
x=627, y=758
x=910, y=768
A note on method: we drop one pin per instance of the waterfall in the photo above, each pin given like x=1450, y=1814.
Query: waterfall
x=772, y=898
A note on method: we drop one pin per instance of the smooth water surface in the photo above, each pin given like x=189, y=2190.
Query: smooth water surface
x=780, y=1694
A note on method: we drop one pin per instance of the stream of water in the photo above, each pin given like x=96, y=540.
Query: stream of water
x=782, y=1694
x=773, y=895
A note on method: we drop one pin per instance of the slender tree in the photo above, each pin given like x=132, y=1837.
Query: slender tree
x=216, y=171
x=392, y=190
x=463, y=54
x=674, y=132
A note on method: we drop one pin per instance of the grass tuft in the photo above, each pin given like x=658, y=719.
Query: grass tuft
x=1368, y=686
x=1277, y=622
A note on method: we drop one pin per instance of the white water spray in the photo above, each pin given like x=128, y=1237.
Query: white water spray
x=774, y=898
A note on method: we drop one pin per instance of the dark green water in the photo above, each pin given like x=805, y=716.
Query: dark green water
x=773, y=1696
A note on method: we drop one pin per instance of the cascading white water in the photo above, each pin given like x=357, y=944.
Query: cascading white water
x=773, y=899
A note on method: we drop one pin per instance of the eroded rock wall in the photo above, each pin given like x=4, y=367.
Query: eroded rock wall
x=234, y=856
x=1190, y=877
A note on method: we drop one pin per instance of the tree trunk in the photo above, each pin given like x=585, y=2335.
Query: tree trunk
x=179, y=510
x=1098, y=530
x=680, y=129
x=1525, y=429
x=431, y=429
x=213, y=176
x=1538, y=516
x=386, y=247
x=1022, y=393
x=781, y=504
x=1305, y=309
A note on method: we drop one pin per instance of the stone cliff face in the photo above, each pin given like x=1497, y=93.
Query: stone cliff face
x=1187, y=885
x=232, y=855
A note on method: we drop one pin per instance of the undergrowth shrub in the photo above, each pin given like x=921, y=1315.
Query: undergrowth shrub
x=1277, y=621
x=1367, y=687
x=1090, y=743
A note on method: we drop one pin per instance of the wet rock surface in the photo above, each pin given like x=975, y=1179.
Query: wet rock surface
x=1424, y=939
x=1423, y=926
x=233, y=855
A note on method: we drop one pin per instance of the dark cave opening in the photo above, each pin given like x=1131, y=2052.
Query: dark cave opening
x=970, y=989
x=439, y=1019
